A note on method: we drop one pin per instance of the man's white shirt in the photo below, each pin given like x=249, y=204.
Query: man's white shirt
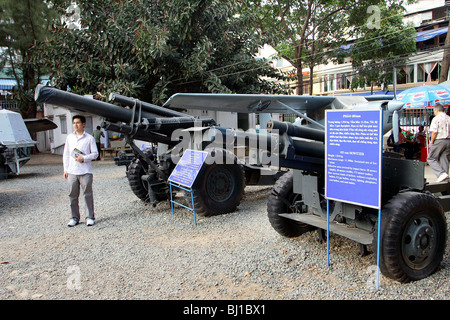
x=441, y=125
x=86, y=144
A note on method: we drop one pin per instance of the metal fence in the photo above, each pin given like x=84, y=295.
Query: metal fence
x=9, y=105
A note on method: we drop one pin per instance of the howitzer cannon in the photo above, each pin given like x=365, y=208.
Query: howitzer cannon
x=413, y=225
x=219, y=185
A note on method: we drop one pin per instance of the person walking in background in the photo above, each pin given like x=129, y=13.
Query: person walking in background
x=105, y=139
x=439, y=143
x=79, y=152
x=97, y=135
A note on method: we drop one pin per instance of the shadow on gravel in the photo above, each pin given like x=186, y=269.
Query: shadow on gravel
x=11, y=198
x=29, y=176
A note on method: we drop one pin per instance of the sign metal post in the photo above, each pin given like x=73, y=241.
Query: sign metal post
x=184, y=175
x=353, y=161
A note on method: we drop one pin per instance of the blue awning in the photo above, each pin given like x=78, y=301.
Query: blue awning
x=430, y=34
x=420, y=36
x=354, y=94
x=367, y=94
x=7, y=84
x=387, y=92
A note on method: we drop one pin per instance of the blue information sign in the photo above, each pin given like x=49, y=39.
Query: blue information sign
x=354, y=141
x=188, y=167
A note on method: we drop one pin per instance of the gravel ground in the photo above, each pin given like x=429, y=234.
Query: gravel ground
x=136, y=251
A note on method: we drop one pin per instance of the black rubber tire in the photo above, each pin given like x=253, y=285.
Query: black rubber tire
x=282, y=194
x=135, y=172
x=413, y=236
x=218, y=189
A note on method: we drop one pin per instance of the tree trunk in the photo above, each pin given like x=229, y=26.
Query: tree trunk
x=31, y=110
x=299, y=89
x=446, y=58
x=30, y=106
x=298, y=53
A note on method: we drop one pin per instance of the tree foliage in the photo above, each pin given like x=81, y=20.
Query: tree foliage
x=307, y=33
x=380, y=48
x=24, y=23
x=153, y=49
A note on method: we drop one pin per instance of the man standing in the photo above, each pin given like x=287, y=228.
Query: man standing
x=97, y=134
x=80, y=149
x=439, y=143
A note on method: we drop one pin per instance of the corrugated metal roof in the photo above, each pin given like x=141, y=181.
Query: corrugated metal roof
x=7, y=84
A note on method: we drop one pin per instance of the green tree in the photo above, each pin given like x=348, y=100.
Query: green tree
x=307, y=33
x=153, y=49
x=23, y=23
x=382, y=47
x=304, y=31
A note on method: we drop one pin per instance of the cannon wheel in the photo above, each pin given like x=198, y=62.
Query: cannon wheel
x=413, y=236
x=135, y=172
x=281, y=200
x=218, y=189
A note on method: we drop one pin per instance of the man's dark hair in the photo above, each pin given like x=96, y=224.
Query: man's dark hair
x=79, y=116
x=98, y=127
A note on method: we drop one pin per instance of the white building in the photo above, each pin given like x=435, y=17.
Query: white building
x=62, y=117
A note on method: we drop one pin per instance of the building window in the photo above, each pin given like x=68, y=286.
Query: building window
x=428, y=72
x=344, y=81
x=406, y=75
x=331, y=82
x=325, y=83
x=63, y=124
x=305, y=87
x=328, y=82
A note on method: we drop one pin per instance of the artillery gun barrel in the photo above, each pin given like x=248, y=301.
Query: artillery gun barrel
x=168, y=125
x=246, y=138
x=158, y=126
x=266, y=141
x=50, y=95
x=113, y=113
x=140, y=134
x=148, y=107
x=296, y=131
x=309, y=148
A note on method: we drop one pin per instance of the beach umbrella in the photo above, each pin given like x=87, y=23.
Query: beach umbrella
x=445, y=84
x=425, y=96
